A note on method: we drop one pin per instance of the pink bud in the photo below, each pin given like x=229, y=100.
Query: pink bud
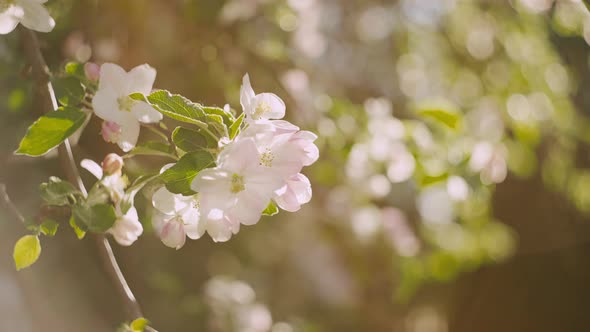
x=110, y=131
x=112, y=163
x=92, y=71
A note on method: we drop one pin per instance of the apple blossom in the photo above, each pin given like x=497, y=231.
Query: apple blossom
x=30, y=13
x=236, y=191
x=127, y=227
x=296, y=192
x=260, y=106
x=115, y=183
x=122, y=114
x=176, y=217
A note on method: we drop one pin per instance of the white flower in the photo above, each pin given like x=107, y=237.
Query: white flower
x=295, y=193
x=122, y=114
x=127, y=227
x=260, y=106
x=236, y=191
x=176, y=217
x=30, y=13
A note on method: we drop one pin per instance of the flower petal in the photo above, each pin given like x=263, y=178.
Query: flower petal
x=36, y=17
x=268, y=106
x=92, y=167
x=164, y=201
x=129, y=133
x=7, y=22
x=212, y=180
x=141, y=79
x=127, y=228
x=173, y=235
x=113, y=77
x=106, y=106
x=145, y=113
x=246, y=94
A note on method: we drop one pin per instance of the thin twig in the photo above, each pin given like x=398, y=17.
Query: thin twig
x=8, y=205
x=47, y=97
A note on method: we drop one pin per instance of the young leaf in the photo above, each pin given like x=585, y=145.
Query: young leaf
x=26, y=251
x=79, y=232
x=175, y=106
x=178, y=178
x=49, y=227
x=75, y=69
x=271, y=209
x=96, y=218
x=228, y=117
x=68, y=90
x=50, y=130
x=139, y=324
x=189, y=140
x=234, y=129
x=152, y=148
x=58, y=192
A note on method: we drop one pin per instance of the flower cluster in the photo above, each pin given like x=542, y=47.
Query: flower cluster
x=260, y=165
x=259, y=169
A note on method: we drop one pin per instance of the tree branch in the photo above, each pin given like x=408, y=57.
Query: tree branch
x=8, y=205
x=46, y=96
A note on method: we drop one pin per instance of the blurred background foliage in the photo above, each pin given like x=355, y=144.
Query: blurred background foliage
x=452, y=193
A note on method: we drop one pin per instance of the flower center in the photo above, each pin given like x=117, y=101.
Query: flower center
x=261, y=108
x=237, y=183
x=5, y=5
x=125, y=103
x=266, y=158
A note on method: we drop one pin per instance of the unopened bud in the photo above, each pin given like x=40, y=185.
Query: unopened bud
x=92, y=71
x=112, y=163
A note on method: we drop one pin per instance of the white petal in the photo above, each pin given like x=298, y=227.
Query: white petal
x=146, y=113
x=193, y=227
x=129, y=133
x=164, y=201
x=268, y=106
x=106, y=105
x=7, y=22
x=141, y=79
x=212, y=180
x=127, y=228
x=246, y=94
x=220, y=230
x=113, y=77
x=173, y=235
x=249, y=207
x=36, y=17
x=92, y=167
x=298, y=192
x=239, y=156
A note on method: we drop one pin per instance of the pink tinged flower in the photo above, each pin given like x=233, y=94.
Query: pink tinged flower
x=30, y=13
x=176, y=217
x=113, y=104
x=260, y=106
x=237, y=191
x=304, y=140
x=112, y=164
x=295, y=193
x=92, y=71
x=126, y=228
x=115, y=183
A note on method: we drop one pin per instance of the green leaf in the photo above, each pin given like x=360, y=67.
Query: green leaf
x=26, y=251
x=442, y=112
x=49, y=227
x=129, y=197
x=58, y=192
x=68, y=90
x=175, y=106
x=152, y=148
x=271, y=209
x=50, y=130
x=234, y=129
x=216, y=121
x=79, y=232
x=96, y=218
x=75, y=69
x=189, y=140
x=139, y=324
x=178, y=178
x=227, y=117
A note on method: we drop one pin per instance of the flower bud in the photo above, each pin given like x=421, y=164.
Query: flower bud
x=92, y=71
x=112, y=163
